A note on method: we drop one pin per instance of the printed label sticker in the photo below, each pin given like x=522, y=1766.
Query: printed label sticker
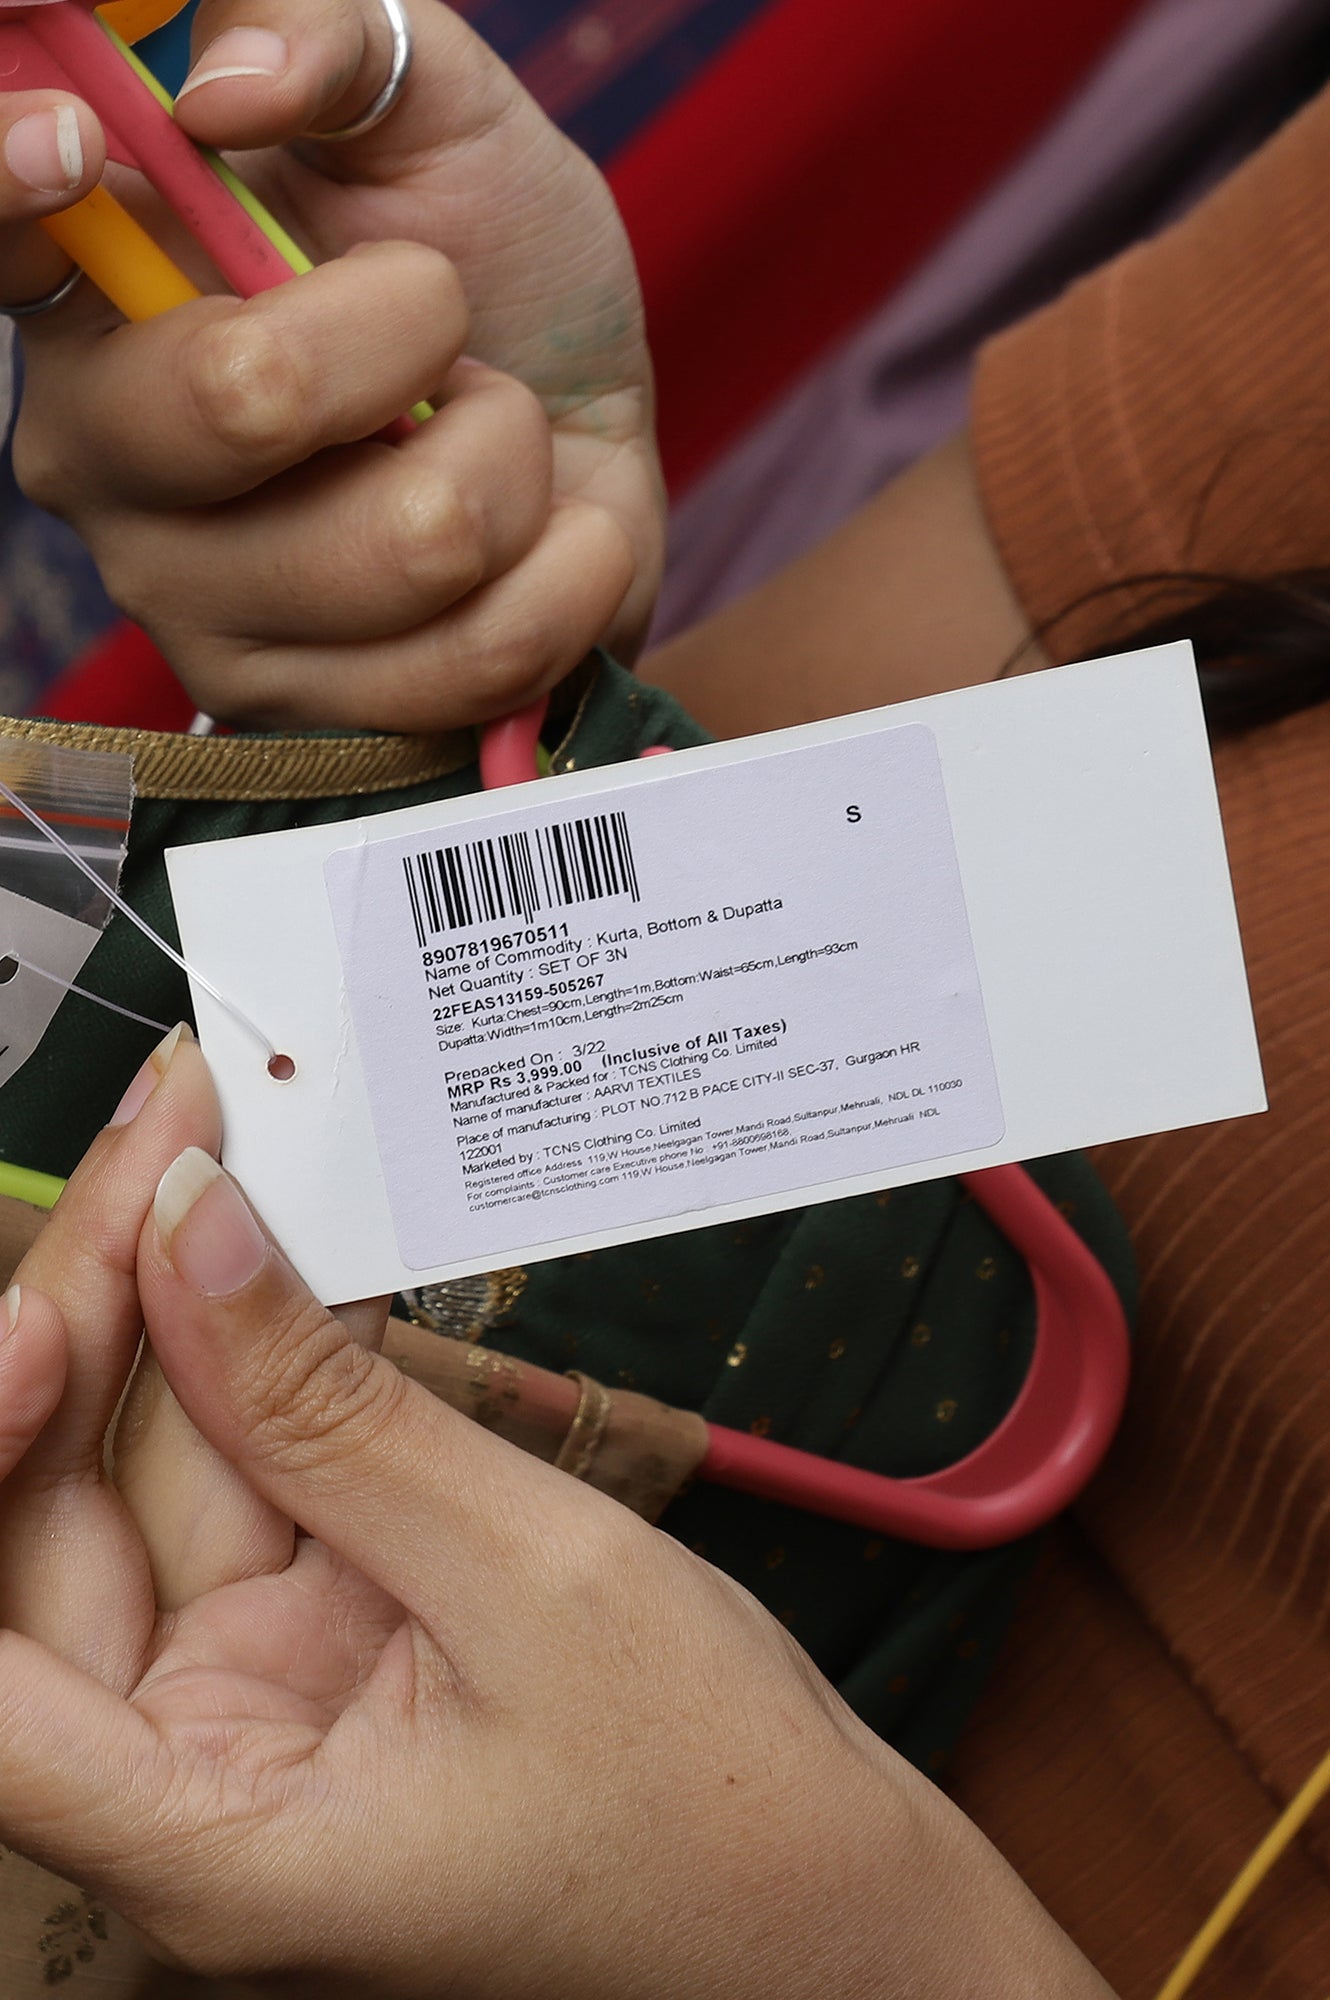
x=669, y=998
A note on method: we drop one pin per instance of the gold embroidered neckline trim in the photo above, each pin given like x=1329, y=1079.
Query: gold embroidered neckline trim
x=256, y=768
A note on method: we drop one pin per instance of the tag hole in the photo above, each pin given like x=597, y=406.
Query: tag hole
x=281, y=1068
x=8, y=970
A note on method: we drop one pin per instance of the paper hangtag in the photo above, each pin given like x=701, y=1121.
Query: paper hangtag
x=980, y=927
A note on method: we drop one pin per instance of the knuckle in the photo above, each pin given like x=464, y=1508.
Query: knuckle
x=319, y=1396
x=586, y=1566
x=436, y=544
x=248, y=389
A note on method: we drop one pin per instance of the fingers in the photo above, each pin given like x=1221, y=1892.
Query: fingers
x=51, y=152
x=200, y=1523
x=417, y=587
x=365, y=543
x=424, y=1504
x=207, y=402
x=497, y=649
x=84, y=1258
x=72, y=1570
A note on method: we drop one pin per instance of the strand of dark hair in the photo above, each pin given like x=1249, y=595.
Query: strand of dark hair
x=1262, y=644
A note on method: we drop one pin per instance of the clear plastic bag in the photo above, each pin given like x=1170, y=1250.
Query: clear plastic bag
x=51, y=913
x=86, y=796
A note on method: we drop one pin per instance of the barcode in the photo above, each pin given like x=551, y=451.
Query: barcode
x=516, y=874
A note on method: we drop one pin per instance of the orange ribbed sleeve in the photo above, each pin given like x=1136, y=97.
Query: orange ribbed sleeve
x=1172, y=411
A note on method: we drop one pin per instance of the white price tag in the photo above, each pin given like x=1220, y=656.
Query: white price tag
x=977, y=928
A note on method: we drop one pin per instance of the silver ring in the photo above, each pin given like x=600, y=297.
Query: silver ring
x=375, y=113
x=50, y=302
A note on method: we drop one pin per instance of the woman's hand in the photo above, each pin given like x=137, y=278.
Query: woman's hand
x=415, y=1713
x=213, y=459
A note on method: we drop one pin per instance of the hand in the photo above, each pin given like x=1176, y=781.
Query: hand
x=471, y=1727
x=212, y=460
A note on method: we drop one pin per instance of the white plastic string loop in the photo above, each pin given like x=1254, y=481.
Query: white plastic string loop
x=48, y=832
x=12, y=958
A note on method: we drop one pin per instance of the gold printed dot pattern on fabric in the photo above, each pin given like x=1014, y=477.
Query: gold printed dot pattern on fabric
x=920, y=1335
x=946, y=1409
x=493, y=1385
x=910, y=1267
x=813, y=1277
x=836, y=1349
x=72, y=1934
x=986, y=1268
x=735, y=1357
x=761, y=1427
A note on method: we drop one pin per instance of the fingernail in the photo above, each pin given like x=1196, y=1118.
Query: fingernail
x=13, y=1306
x=210, y=1235
x=44, y=150
x=239, y=52
x=151, y=1074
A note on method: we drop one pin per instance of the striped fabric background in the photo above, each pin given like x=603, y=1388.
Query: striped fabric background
x=603, y=68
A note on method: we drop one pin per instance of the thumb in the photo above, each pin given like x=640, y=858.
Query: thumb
x=424, y=1503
